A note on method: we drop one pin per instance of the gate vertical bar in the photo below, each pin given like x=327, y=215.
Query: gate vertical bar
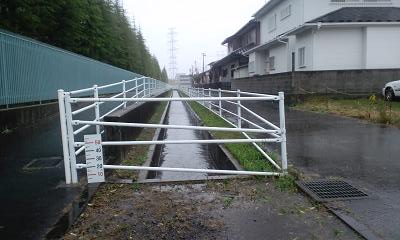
x=97, y=107
x=144, y=87
x=124, y=91
x=150, y=86
x=220, y=102
x=283, y=131
x=203, y=93
x=136, y=89
x=239, y=110
x=71, y=140
x=64, y=137
x=209, y=95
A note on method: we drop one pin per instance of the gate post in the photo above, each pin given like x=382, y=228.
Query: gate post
x=71, y=140
x=283, y=131
x=64, y=137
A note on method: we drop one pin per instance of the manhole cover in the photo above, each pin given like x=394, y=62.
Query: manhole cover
x=331, y=190
x=43, y=163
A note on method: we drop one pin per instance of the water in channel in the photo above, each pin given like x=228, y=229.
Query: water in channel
x=183, y=155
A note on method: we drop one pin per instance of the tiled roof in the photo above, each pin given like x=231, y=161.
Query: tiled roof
x=361, y=14
x=237, y=54
x=251, y=24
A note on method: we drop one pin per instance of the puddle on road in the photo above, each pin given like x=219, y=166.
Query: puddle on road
x=182, y=155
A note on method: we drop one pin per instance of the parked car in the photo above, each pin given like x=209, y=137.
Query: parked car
x=391, y=90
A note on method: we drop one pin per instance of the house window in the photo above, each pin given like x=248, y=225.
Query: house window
x=302, y=57
x=272, y=23
x=286, y=12
x=271, y=61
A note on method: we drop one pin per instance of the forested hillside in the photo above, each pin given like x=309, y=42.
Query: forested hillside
x=98, y=29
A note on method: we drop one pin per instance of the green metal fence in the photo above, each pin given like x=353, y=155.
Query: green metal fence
x=31, y=71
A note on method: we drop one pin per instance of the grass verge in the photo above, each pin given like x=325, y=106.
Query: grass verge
x=372, y=109
x=245, y=153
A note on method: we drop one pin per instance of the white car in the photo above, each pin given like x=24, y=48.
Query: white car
x=391, y=90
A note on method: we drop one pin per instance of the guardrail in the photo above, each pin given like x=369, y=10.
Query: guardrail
x=143, y=92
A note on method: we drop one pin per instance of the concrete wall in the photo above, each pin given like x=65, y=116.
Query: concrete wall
x=348, y=81
x=26, y=117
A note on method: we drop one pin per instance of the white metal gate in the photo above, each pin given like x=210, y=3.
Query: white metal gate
x=144, y=90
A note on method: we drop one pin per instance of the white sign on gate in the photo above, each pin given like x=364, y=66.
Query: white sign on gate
x=94, y=158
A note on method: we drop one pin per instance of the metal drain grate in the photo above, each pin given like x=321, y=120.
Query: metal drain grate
x=331, y=190
x=43, y=163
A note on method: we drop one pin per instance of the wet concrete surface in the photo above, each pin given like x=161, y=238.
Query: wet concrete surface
x=183, y=155
x=365, y=154
x=34, y=198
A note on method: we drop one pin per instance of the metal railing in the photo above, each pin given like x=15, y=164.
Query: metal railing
x=73, y=147
x=141, y=87
x=278, y=132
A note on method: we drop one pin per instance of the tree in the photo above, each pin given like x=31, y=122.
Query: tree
x=164, y=75
x=99, y=29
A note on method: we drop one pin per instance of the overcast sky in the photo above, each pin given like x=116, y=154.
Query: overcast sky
x=201, y=26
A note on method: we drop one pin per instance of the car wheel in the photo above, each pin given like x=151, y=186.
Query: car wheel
x=389, y=94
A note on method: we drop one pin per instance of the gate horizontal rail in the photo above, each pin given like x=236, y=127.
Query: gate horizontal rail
x=144, y=90
x=193, y=170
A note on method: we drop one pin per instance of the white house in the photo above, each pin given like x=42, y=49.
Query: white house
x=317, y=35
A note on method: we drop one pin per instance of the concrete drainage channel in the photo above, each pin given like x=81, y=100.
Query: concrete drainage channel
x=210, y=156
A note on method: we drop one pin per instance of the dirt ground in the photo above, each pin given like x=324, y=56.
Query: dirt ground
x=229, y=209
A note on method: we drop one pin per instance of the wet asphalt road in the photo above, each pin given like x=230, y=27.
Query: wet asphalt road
x=365, y=154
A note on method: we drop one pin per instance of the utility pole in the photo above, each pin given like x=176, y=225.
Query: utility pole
x=172, y=52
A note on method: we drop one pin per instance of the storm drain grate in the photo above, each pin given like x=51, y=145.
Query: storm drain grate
x=331, y=190
x=43, y=163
